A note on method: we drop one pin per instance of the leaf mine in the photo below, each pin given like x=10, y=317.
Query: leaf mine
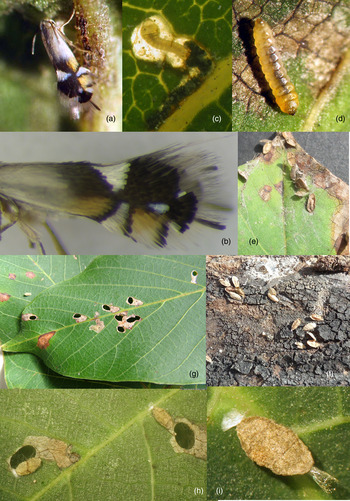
x=78, y=317
x=44, y=340
x=98, y=327
x=28, y=458
x=194, y=275
x=134, y=301
x=29, y=316
x=187, y=437
x=4, y=297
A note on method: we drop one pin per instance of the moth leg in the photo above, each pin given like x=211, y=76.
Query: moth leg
x=58, y=245
x=32, y=235
x=11, y=215
x=5, y=227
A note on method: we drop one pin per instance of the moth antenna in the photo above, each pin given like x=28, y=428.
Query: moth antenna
x=33, y=43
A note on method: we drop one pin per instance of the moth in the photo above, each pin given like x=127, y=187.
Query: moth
x=74, y=82
x=272, y=66
x=148, y=198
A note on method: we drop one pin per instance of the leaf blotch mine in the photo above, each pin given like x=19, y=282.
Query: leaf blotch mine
x=194, y=275
x=28, y=458
x=78, y=317
x=4, y=297
x=265, y=193
x=134, y=301
x=98, y=327
x=44, y=340
x=29, y=316
x=186, y=437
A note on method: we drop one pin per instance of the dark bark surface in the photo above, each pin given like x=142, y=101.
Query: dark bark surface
x=250, y=342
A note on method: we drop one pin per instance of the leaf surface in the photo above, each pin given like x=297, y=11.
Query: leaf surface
x=147, y=84
x=165, y=346
x=105, y=428
x=24, y=277
x=273, y=210
x=319, y=416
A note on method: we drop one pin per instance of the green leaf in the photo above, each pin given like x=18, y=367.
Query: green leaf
x=312, y=42
x=124, y=452
x=148, y=84
x=24, y=277
x=319, y=416
x=166, y=345
x=273, y=213
x=20, y=276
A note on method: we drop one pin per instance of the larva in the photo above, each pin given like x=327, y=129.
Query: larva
x=273, y=69
x=150, y=32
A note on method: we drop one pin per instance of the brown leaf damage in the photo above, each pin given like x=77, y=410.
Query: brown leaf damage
x=44, y=340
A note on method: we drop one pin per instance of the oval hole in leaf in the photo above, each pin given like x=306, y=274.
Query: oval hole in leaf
x=105, y=307
x=118, y=317
x=120, y=329
x=23, y=454
x=77, y=315
x=184, y=435
x=133, y=319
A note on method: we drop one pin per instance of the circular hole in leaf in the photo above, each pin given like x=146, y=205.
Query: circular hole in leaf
x=184, y=435
x=130, y=300
x=194, y=273
x=120, y=329
x=105, y=307
x=23, y=454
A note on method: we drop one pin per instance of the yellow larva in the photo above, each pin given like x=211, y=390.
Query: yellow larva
x=273, y=69
x=150, y=32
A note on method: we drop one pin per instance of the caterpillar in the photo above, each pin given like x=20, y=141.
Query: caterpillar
x=150, y=32
x=275, y=73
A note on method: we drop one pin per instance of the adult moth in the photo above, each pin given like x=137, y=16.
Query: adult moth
x=74, y=82
x=150, y=198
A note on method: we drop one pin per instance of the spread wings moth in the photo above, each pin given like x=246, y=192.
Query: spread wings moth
x=147, y=198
